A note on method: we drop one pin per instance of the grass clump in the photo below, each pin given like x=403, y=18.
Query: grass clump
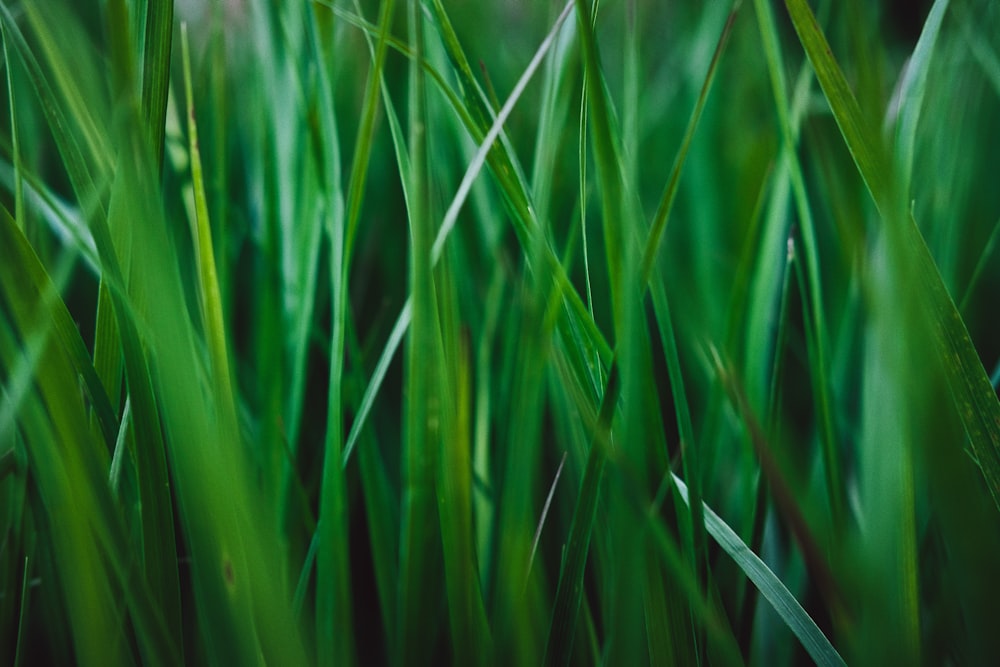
x=492, y=333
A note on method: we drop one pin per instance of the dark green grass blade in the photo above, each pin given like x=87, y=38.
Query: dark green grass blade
x=333, y=569
x=419, y=551
x=156, y=71
x=566, y=608
x=975, y=400
x=817, y=338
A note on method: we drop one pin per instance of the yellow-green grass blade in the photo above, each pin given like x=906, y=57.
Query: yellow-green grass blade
x=208, y=283
x=70, y=466
x=469, y=627
x=17, y=252
x=975, y=400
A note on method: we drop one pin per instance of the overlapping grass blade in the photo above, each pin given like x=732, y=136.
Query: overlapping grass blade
x=333, y=599
x=487, y=148
x=972, y=392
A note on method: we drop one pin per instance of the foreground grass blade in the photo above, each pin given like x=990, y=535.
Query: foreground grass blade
x=813, y=640
x=975, y=400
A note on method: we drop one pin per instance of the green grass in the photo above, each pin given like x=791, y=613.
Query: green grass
x=500, y=333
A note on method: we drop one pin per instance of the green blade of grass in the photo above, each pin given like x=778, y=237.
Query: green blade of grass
x=333, y=568
x=419, y=551
x=912, y=91
x=159, y=30
x=607, y=156
x=208, y=283
x=976, y=402
x=72, y=475
x=486, y=147
x=566, y=607
x=818, y=347
x=19, y=253
x=799, y=622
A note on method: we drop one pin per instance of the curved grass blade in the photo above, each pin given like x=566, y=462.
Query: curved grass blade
x=975, y=400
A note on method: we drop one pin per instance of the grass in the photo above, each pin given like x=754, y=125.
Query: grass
x=498, y=333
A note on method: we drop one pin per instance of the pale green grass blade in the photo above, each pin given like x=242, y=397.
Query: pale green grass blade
x=813, y=640
x=14, y=133
x=22, y=617
x=973, y=394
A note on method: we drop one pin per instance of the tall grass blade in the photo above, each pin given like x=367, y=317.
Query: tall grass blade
x=975, y=400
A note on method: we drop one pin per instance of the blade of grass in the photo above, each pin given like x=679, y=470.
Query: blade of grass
x=418, y=552
x=333, y=578
x=566, y=607
x=208, y=283
x=818, y=346
x=486, y=147
x=799, y=622
x=976, y=402
x=567, y=597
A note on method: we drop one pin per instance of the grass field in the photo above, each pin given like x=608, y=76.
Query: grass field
x=499, y=333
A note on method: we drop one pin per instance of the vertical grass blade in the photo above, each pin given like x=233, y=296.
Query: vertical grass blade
x=975, y=400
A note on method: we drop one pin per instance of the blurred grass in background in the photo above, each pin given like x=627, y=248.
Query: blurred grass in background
x=499, y=333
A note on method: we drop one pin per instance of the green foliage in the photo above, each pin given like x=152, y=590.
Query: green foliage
x=307, y=354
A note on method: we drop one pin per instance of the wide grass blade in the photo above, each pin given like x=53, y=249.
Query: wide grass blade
x=975, y=400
